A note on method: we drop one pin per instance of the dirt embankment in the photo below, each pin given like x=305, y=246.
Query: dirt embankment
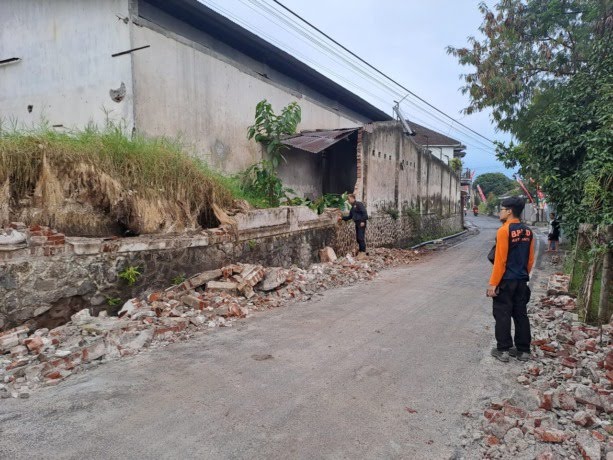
x=105, y=185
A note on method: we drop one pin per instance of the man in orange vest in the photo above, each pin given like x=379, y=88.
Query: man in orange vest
x=508, y=285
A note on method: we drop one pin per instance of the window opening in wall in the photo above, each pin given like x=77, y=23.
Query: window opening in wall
x=379, y=154
x=373, y=153
x=30, y=108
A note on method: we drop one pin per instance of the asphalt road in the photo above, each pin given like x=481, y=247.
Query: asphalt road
x=379, y=370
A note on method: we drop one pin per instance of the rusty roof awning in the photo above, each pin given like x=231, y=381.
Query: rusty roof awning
x=317, y=141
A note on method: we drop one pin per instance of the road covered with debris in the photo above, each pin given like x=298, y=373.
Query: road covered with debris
x=395, y=364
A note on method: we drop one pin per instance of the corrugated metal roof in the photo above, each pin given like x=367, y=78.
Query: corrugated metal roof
x=316, y=141
x=425, y=136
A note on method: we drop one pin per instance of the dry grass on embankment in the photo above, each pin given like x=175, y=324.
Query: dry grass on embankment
x=100, y=183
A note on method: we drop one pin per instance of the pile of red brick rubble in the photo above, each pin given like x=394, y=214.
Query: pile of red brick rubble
x=567, y=402
x=216, y=298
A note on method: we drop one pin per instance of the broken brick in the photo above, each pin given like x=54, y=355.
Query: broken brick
x=550, y=435
x=222, y=286
x=588, y=446
x=194, y=302
x=203, y=278
x=34, y=344
x=327, y=254
x=513, y=411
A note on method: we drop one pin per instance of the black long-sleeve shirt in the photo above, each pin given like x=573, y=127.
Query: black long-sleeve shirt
x=358, y=213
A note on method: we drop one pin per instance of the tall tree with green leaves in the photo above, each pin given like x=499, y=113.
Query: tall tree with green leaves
x=544, y=69
x=496, y=183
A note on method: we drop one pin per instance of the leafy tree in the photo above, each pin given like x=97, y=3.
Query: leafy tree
x=544, y=69
x=529, y=46
x=496, y=183
x=569, y=146
x=261, y=178
x=491, y=203
x=270, y=128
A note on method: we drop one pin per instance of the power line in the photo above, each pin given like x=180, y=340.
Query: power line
x=378, y=71
x=328, y=50
x=312, y=40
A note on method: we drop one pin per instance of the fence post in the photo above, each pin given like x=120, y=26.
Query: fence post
x=605, y=309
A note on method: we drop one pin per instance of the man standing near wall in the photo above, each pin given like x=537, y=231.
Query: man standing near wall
x=359, y=215
x=508, y=284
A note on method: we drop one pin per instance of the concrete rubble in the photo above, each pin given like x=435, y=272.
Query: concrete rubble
x=566, y=405
x=211, y=299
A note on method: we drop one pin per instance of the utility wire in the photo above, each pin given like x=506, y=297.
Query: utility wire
x=378, y=71
x=344, y=79
x=306, y=34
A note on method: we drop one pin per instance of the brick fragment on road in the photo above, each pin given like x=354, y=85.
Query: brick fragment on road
x=273, y=278
x=327, y=254
x=588, y=446
x=222, y=286
x=194, y=301
x=550, y=435
x=203, y=278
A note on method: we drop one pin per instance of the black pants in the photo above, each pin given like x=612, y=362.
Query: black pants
x=360, y=236
x=510, y=303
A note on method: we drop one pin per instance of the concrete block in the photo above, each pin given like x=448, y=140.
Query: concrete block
x=222, y=286
x=203, y=278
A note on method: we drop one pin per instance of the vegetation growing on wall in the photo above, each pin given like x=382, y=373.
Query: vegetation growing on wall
x=269, y=128
x=261, y=179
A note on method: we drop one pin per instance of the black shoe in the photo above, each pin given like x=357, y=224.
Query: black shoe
x=519, y=355
x=500, y=355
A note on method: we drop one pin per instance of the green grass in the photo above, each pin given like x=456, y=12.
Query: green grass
x=108, y=164
x=151, y=166
x=233, y=184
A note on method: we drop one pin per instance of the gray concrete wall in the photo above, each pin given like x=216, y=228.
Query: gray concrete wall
x=188, y=90
x=399, y=175
x=303, y=173
x=66, y=69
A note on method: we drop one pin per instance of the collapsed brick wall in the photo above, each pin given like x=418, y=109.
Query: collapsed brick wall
x=45, y=282
x=52, y=276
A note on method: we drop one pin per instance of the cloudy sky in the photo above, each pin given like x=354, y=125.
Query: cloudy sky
x=405, y=39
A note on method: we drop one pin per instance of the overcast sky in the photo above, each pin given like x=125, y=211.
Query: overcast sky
x=404, y=39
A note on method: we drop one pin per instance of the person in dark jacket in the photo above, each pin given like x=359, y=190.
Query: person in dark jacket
x=554, y=233
x=359, y=215
x=508, y=285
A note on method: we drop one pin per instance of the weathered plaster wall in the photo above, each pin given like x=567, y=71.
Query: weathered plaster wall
x=185, y=89
x=303, y=172
x=66, y=69
x=398, y=175
x=53, y=276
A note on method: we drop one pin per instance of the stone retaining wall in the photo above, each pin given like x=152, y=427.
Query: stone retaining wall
x=383, y=230
x=50, y=277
